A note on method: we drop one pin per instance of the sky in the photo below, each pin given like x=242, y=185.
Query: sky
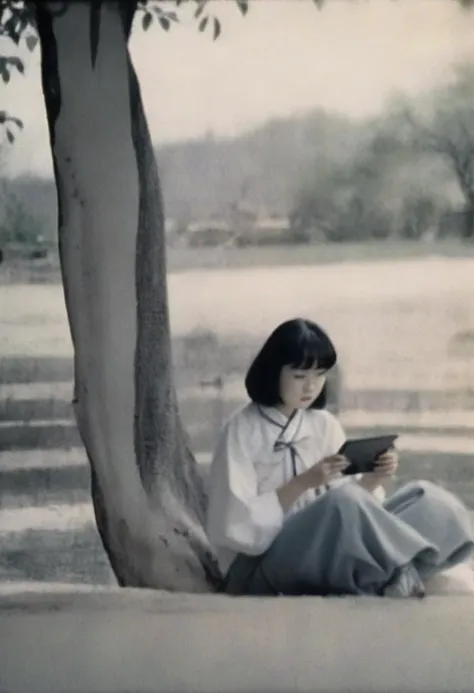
x=285, y=57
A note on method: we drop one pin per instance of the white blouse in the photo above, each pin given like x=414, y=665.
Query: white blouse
x=258, y=451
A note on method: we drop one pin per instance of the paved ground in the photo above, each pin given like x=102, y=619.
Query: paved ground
x=71, y=639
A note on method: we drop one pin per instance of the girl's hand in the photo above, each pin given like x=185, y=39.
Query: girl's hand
x=387, y=464
x=385, y=467
x=325, y=471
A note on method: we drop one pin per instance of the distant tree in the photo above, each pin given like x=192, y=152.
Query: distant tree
x=420, y=215
x=17, y=224
x=447, y=131
x=343, y=199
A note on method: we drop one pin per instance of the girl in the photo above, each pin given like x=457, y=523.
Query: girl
x=281, y=517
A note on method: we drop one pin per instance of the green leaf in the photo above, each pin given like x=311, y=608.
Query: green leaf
x=243, y=6
x=172, y=16
x=31, y=42
x=147, y=20
x=10, y=136
x=217, y=28
x=9, y=62
x=164, y=23
x=203, y=24
x=5, y=118
x=200, y=8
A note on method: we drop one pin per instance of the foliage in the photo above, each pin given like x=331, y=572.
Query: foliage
x=387, y=187
x=447, y=132
x=17, y=224
x=17, y=24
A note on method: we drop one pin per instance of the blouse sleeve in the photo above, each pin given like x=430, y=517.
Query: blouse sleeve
x=238, y=517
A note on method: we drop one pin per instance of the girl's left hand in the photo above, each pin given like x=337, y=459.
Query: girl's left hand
x=386, y=465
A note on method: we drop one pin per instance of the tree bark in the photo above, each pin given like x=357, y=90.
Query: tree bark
x=147, y=492
x=468, y=225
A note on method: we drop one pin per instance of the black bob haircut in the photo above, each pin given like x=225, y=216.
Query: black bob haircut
x=297, y=343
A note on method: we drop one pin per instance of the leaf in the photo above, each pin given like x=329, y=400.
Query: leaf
x=243, y=6
x=147, y=20
x=172, y=16
x=11, y=30
x=203, y=23
x=164, y=23
x=11, y=61
x=217, y=28
x=31, y=42
x=10, y=136
x=3, y=117
x=200, y=9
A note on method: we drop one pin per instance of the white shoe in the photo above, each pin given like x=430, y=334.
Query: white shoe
x=407, y=583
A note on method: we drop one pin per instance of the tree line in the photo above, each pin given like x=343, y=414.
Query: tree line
x=409, y=173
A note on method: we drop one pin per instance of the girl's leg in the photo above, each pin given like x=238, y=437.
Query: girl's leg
x=343, y=543
x=440, y=518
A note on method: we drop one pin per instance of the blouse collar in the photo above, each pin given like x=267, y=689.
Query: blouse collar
x=287, y=427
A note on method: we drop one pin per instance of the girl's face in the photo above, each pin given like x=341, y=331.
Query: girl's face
x=299, y=388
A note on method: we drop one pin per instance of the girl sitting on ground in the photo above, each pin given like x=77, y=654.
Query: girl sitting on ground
x=283, y=519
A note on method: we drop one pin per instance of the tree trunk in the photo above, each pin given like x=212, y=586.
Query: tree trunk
x=468, y=220
x=147, y=492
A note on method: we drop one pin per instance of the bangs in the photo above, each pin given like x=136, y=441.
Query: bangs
x=310, y=350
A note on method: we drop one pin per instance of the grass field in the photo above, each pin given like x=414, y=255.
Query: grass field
x=185, y=259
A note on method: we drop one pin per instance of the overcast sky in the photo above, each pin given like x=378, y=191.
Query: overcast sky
x=284, y=57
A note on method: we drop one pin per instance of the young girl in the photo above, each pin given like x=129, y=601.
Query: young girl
x=282, y=517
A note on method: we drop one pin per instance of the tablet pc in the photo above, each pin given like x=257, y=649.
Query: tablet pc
x=362, y=452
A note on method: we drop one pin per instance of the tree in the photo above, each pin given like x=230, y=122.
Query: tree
x=148, y=495
x=343, y=199
x=448, y=132
x=147, y=492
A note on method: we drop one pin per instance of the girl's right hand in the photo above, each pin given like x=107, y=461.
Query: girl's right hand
x=325, y=471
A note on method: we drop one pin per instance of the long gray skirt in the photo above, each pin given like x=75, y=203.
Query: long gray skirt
x=347, y=542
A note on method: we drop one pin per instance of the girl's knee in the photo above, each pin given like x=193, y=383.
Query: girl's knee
x=436, y=494
x=424, y=486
